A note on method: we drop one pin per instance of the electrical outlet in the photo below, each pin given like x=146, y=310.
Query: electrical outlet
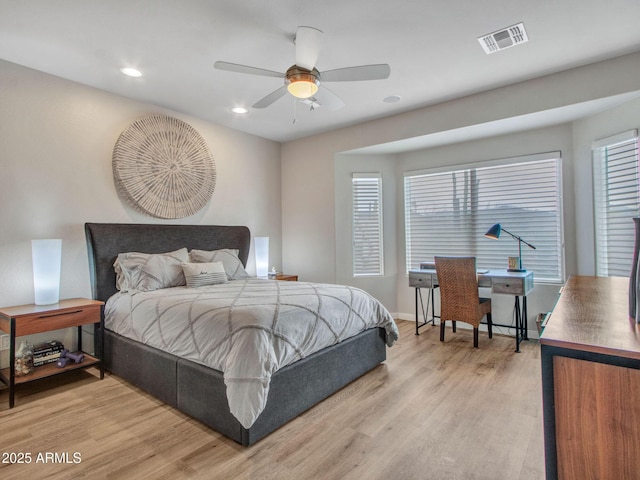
x=4, y=342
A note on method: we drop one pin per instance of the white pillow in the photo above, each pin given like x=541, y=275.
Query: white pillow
x=201, y=274
x=144, y=272
x=229, y=258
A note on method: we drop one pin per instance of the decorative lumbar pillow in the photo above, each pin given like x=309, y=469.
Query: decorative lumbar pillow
x=229, y=258
x=144, y=272
x=201, y=274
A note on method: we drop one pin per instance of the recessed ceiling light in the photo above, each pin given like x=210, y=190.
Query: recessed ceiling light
x=391, y=99
x=131, y=72
x=240, y=110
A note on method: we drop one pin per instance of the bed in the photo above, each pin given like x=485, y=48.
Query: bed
x=193, y=387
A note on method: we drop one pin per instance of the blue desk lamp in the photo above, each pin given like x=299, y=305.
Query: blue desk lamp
x=494, y=233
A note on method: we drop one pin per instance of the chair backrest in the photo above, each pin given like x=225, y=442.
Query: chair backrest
x=458, y=283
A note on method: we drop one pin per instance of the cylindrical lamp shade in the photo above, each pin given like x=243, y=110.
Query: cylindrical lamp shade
x=262, y=256
x=47, y=258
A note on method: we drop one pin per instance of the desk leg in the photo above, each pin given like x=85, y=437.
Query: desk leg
x=518, y=314
x=430, y=304
x=525, y=332
x=417, y=293
x=433, y=306
x=521, y=321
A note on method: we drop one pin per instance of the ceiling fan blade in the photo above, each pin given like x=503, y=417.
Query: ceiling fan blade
x=308, y=45
x=327, y=99
x=234, y=67
x=272, y=97
x=351, y=74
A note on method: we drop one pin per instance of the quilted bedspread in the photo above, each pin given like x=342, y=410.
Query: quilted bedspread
x=247, y=329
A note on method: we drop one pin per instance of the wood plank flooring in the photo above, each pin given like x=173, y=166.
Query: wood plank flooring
x=432, y=411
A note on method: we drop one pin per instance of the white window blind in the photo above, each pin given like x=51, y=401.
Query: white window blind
x=367, y=230
x=448, y=213
x=616, y=202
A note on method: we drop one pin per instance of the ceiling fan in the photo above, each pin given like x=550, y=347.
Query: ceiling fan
x=303, y=80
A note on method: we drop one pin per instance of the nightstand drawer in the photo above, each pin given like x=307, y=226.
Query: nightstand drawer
x=286, y=277
x=55, y=320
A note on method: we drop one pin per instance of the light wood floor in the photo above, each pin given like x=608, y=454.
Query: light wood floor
x=432, y=411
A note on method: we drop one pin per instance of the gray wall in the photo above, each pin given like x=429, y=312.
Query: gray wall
x=57, y=137
x=383, y=288
x=313, y=218
x=585, y=131
x=56, y=143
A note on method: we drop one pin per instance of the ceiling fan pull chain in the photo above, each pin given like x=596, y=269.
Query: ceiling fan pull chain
x=295, y=110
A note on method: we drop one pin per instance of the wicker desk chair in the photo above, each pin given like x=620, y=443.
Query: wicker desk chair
x=459, y=298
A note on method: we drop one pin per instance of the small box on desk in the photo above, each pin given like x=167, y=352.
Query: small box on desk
x=427, y=266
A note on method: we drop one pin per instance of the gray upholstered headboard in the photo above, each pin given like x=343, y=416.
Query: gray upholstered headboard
x=106, y=240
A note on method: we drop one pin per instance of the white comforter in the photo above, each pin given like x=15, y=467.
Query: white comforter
x=247, y=329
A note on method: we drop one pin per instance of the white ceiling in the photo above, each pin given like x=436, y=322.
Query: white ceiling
x=431, y=46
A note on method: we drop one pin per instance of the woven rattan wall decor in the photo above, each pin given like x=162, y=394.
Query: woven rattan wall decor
x=163, y=167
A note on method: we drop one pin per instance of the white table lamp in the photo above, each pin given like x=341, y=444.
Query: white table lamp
x=262, y=256
x=47, y=258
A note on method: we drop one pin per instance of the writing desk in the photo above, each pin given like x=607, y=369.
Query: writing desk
x=500, y=281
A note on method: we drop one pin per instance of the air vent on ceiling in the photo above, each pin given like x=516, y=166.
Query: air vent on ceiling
x=505, y=38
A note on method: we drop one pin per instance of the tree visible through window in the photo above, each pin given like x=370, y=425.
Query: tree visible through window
x=448, y=212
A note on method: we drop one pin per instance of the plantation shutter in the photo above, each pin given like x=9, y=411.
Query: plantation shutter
x=367, y=230
x=616, y=202
x=447, y=213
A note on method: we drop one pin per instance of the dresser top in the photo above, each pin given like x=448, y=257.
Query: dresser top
x=592, y=314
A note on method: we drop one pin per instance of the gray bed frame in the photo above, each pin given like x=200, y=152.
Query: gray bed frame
x=192, y=388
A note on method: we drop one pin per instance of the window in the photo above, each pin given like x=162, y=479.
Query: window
x=368, y=256
x=448, y=211
x=616, y=202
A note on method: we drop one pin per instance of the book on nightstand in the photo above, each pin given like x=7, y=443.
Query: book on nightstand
x=47, y=352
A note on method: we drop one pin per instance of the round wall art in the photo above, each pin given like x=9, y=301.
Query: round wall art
x=163, y=167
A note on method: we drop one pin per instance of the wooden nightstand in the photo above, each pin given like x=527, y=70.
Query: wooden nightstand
x=29, y=319
x=284, y=276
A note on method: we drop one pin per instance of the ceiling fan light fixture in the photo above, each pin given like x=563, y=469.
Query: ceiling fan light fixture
x=302, y=83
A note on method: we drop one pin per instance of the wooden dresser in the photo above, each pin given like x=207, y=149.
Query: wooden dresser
x=590, y=353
